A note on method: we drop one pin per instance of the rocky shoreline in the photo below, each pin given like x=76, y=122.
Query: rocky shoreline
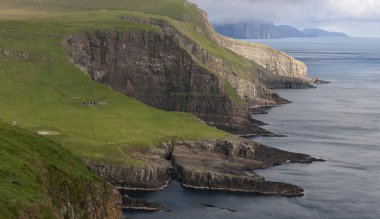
x=173, y=73
x=214, y=165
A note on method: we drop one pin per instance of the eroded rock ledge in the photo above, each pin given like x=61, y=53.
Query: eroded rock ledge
x=219, y=164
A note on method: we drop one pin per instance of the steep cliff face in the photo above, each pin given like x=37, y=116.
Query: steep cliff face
x=173, y=70
x=287, y=70
x=219, y=164
x=153, y=175
x=243, y=79
x=155, y=69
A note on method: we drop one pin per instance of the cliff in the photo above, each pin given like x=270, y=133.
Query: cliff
x=283, y=71
x=41, y=179
x=171, y=72
x=156, y=70
x=287, y=71
x=174, y=71
x=219, y=164
x=165, y=57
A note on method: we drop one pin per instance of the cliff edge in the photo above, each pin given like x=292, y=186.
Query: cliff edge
x=285, y=71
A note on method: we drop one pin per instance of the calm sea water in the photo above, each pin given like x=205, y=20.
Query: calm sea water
x=339, y=122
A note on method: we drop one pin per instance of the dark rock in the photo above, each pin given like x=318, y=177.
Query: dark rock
x=258, y=110
x=166, y=70
x=226, y=165
x=250, y=136
x=318, y=81
x=216, y=165
x=142, y=205
x=153, y=68
x=153, y=176
x=213, y=206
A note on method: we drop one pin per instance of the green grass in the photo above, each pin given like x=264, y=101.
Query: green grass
x=184, y=16
x=231, y=93
x=176, y=9
x=33, y=170
x=46, y=90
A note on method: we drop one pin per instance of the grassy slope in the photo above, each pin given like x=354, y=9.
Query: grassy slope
x=176, y=11
x=31, y=167
x=45, y=92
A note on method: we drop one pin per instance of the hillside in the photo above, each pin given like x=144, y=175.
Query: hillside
x=40, y=28
x=43, y=91
x=40, y=179
x=123, y=85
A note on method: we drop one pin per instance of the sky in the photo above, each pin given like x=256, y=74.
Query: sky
x=358, y=18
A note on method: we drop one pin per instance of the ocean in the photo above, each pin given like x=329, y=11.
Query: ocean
x=339, y=122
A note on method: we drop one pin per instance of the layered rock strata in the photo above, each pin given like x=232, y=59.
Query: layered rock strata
x=142, y=205
x=225, y=165
x=287, y=71
x=156, y=70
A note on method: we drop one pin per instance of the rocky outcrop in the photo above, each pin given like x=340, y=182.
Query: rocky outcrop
x=142, y=205
x=170, y=71
x=288, y=72
x=227, y=165
x=318, y=81
x=155, y=69
x=246, y=85
x=153, y=175
x=284, y=71
x=220, y=164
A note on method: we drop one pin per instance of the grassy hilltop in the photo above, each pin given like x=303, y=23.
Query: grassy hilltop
x=42, y=91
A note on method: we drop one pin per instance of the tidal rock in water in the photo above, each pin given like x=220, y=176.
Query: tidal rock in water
x=142, y=205
x=206, y=205
x=318, y=81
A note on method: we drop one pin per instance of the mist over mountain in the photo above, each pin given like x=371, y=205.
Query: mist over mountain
x=357, y=18
x=268, y=30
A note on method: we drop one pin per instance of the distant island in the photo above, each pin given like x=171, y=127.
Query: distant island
x=268, y=30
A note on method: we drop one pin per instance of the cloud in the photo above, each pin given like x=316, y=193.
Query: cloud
x=300, y=13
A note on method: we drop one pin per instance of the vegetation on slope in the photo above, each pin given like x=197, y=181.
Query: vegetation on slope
x=185, y=16
x=38, y=176
x=41, y=90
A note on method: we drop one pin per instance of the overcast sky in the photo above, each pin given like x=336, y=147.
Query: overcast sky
x=354, y=17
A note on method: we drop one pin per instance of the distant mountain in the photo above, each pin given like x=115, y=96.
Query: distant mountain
x=313, y=32
x=267, y=30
